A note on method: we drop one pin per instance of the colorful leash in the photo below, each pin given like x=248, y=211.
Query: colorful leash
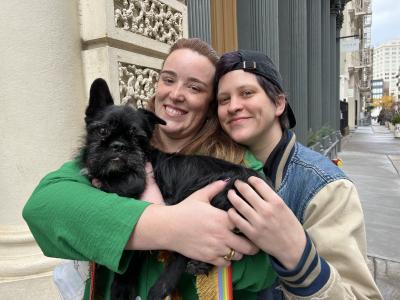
x=225, y=289
x=217, y=285
x=92, y=279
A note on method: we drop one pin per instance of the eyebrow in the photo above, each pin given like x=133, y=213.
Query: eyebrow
x=249, y=86
x=190, y=79
x=168, y=72
x=243, y=86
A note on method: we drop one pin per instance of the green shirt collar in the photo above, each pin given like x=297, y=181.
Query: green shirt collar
x=252, y=162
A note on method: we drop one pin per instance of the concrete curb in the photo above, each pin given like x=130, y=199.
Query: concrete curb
x=386, y=274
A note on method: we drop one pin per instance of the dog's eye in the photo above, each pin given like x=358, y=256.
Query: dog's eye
x=103, y=131
x=134, y=133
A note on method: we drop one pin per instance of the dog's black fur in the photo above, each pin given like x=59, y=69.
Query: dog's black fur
x=116, y=150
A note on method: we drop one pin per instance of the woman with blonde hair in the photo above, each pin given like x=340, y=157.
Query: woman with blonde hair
x=71, y=219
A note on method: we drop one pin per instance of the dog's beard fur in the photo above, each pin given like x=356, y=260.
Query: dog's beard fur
x=115, y=152
x=104, y=163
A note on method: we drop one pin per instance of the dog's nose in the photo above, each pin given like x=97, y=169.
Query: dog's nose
x=118, y=146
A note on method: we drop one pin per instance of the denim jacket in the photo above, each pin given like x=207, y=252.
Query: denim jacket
x=307, y=182
x=305, y=173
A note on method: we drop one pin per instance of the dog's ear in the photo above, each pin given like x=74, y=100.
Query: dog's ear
x=152, y=119
x=100, y=97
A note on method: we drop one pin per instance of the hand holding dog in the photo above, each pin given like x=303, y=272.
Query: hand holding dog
x=206, y=235
x=152, y=192
x=267, y=221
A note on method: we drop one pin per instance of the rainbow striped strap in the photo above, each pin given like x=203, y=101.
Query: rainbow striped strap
x=225, y=290
x=217, y=285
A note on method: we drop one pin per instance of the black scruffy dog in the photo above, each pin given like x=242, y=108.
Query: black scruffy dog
x=116, y=150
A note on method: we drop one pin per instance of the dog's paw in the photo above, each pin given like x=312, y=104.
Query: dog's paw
x=196, y=267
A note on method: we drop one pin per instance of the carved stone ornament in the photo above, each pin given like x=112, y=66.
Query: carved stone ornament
x=150, y=18
x=136, y=84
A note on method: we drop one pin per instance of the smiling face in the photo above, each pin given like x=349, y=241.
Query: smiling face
x=247, y=114
x=183, y=95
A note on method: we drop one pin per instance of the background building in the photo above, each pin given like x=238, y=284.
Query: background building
x=377, y=88
x=386, y=64
x=398, y=84
x=301, y=38
x=49, y=63
x=356, y=62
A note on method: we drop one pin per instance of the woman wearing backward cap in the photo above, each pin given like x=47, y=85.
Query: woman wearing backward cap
x=313, y=228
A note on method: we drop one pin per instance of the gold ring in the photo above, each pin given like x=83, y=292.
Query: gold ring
x=229, y=255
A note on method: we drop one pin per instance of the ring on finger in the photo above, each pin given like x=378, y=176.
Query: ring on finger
x=229, y=255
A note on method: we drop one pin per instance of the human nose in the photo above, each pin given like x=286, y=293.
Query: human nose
x=176, y=93
x=234, y=105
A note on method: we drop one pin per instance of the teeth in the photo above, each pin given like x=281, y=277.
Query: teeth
x=173, y=111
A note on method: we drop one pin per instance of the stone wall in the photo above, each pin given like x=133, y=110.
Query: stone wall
x=125, y=42
x=50, y=55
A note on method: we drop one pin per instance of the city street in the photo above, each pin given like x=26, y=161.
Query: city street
x=371, y=158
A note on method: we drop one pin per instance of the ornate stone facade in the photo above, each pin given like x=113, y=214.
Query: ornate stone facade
x=126, y=41
x=150, y=18
x=136, y=84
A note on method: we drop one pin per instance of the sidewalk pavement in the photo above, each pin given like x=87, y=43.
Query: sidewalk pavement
x=371, y=158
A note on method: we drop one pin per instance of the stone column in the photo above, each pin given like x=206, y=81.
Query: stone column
x=326, y=65
x=334, y=99
x=50, y=55
x=258, y=27
x=293, y=59
x=337, y=88
x=42, y=97
x=199, y=19
x=314, y=65
x=284, y=44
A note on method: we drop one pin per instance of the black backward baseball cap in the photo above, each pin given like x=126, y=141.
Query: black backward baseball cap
x=258, y=63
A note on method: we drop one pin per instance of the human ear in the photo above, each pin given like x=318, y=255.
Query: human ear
x=280, y=105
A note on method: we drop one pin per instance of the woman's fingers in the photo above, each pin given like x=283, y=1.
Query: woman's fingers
x=251, y=195
x=227, y=258
x=242, y=206
x=262, y=188
x=242, y=245
x=237, y=256
x=208, y=192
x=241, y=223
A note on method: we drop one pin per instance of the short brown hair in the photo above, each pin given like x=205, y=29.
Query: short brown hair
x=197, y=45
x=210, y=139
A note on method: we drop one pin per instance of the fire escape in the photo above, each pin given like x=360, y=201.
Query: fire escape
x=363, y=16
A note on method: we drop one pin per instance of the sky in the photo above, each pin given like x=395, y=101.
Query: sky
x=385, y=21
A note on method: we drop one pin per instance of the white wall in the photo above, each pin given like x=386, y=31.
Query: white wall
x=42, y=102
x=50, y=53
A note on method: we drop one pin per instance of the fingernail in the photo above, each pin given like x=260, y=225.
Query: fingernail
x=226, y=179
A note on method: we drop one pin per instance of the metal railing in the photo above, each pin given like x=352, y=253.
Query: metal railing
x=329, y=145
